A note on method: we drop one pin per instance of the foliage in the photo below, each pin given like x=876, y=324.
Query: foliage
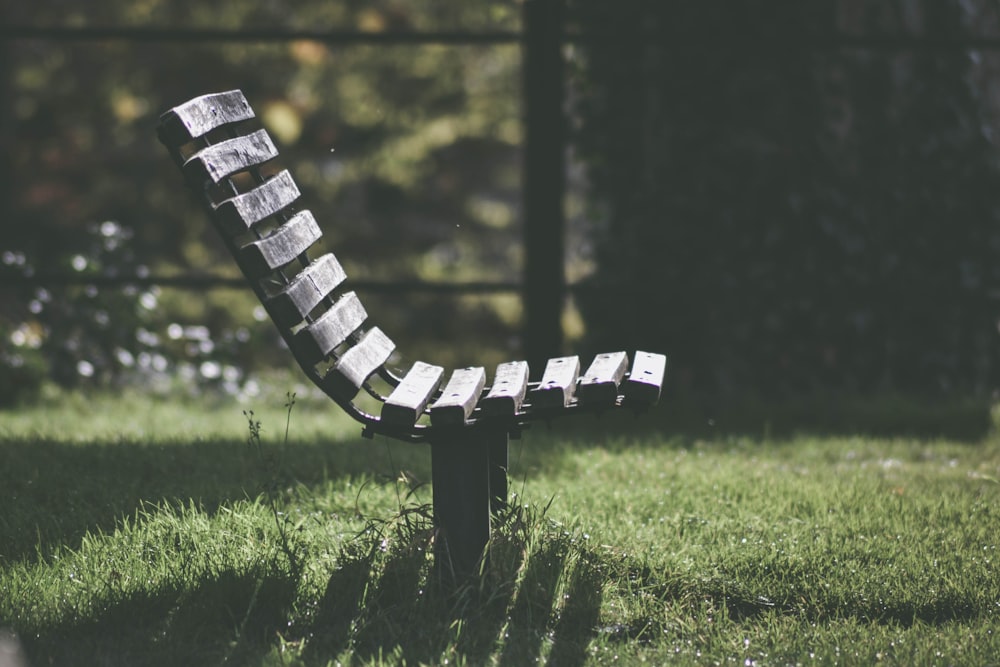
x=417, y=144
x=159, y=548
x=785, y=216
x=102, y=334
x=22, y=372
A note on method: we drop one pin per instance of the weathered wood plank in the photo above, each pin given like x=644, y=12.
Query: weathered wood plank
x=225, y=158
x=196, y=118
x=331, y=329
x=291, y=305
x=600, y=383
x=509, y=388
x=558, y=385
x=410, y=397
x=646, y=378
x=282, y=246
x=458, y=398
x=358, y=363
x=237, y=214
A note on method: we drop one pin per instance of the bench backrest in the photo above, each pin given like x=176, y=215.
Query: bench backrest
x=255, y=213
x=253, y=206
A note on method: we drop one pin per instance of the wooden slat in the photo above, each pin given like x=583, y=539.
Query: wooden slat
x=225, y=158
x=558, y=384
x=282, y=246
x=358, y=363
x=238, y=214
x=458, y=398
x=509, y=388
x=646, y=378
x=196, y=118
x=600, y=383
x=291, y=305
x=331, y=329
x=410, y=397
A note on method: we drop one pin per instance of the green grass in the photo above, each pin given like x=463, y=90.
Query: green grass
x=139, y=533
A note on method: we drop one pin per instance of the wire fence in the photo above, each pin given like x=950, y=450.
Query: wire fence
x=255, y=35
x=822, y=42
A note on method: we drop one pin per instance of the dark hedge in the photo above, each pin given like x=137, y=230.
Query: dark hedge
x=783, y=214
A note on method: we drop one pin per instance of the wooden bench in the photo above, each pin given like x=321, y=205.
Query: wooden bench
x=466, y=420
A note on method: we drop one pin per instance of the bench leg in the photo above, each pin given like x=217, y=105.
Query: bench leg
x=470, y=482
x=497, y=444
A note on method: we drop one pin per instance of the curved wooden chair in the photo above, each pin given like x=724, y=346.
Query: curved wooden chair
x=466, y=419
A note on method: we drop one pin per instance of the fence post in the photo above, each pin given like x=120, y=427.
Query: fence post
x=544, y=175
x=6, y=129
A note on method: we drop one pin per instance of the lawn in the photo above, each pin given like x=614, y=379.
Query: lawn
x=140, y=532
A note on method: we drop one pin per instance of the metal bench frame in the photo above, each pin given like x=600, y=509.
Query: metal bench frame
x=467, y=422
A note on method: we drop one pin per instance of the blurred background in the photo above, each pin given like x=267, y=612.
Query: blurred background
x=787, y=197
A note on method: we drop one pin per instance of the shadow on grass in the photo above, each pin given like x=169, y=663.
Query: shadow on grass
x=391, y=601
x=960, y=419
x=540, y=603
x=546, y=614
x=225, y=619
